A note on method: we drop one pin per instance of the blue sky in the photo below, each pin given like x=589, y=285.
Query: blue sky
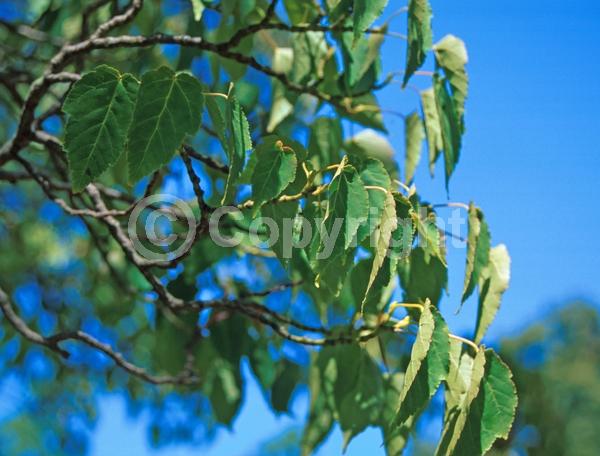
x=530, y=160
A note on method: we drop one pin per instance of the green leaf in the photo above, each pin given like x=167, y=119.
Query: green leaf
x=488, y=411
x=285, y=382
x=239, y=143
x=419, y=36
x=310, y=49
x=413, y=136
x=403, y=235
x=365, y=13
x=422, y=277
x=428, y=367
x=372, y=172
x=456, y=417
x=394, y=437
x=374, y=300
x=478, y=250
x=172, y=336
x=358, y=393
x=169, y=107
x=263, y=365
x=451, y=55
x=347, y=208
x=433, y=129
x=360, y=56
x=332, y=269
x=282, y=214
x=281, y=108
x=370, y=144
x=326, y=140
x=380, y=239
x=429, y=236
x=100, y=109
x=459, y=376
x=493, y=282
x=275, y=169
x=225, y=391
x=353, y=387
x=365, y=110
x=320, y=418
x=450, y=123
x=198, y=8
x=300, y=11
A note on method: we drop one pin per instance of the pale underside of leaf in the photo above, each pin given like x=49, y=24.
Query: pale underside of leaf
x=493, y=282
x=381, y=239
x=419, y=36
x=433, y=128
x=478, y=249
x=414, y=135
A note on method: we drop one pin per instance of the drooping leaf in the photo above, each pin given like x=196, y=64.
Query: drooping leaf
x=459, y=377
x=369, y=143
x=326, y=140
x=380, y=239
x=372, y=301
x=413, y=136
x=169, y=106
x=493, y=282
x=456, y=417
x=353, y=385
x=172, y=335
x=422, y=277
x=403, y=235
x=433, y=129
x=309, y=50
x=360, y=57
x=358, y=394
x=372, y=172
x=284, y=384
x=283, y=59
x=488, y=411
x=282, y=214
x=321, y=415
x=394, y=437
x=300, y=11
x=100, y=109
x=365, y=110
x=239, y=143
x=225, y=391
x=478, y=250
x=347, y=208
x=451, y=55
x=428, y=366
x=429, y=235
x=450, y=123
x=275, y=169
x=419, y=36
x=365, y=13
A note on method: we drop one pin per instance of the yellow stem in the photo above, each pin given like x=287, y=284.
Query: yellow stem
x=403, y=185
x=465, y=341
x=376, y=187
x=395, y=305
x=215, y=94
